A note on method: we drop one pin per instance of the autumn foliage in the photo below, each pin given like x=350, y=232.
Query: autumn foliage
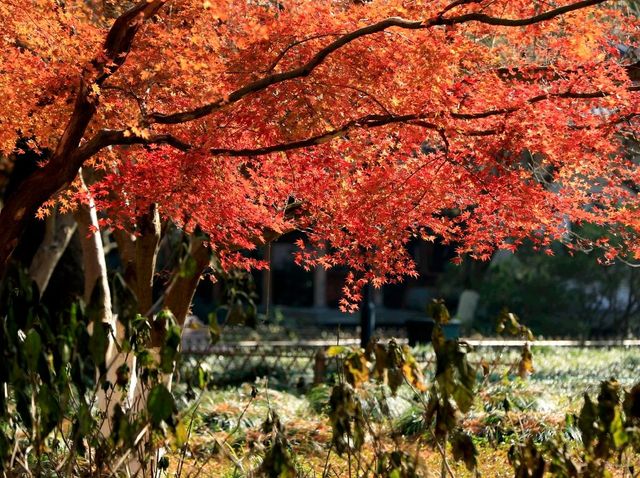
x=363, y=124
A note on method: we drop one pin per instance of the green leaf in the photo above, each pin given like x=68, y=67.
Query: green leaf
x=160, y=404
x=347, y=419
x=99, y=342
x=608, y=401
x=49, y=409
x=214, y=329
x=181, y=434
x=163, y=463
x=84, y=419
x=202, y=378
x=166, y=317
x=620, y=436
x=278, y=462
x=587, y=421
x=123, y=375
x=5, y=446
x=526, y=460
x=188, y=267
x=525, y=366
x=32, y=348
x=509, y=324
x=336, y=350
x=455, y=376
x=438, y=311
x=356, y=368
x=144, y=358
x=169, y=350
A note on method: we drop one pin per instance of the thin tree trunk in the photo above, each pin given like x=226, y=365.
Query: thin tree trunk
x=95, y=277
x=138, y=254
x=127, y=250
x=58, y=233
x=146, y=253
x=180, y=292
x=95, y=267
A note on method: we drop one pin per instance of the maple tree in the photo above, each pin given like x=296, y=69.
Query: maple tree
x=363, y=124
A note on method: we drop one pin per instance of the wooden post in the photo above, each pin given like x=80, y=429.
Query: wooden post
x=367, y=316
x=320, y=367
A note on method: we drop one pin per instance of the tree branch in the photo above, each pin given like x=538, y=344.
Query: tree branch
x=370, y=121
x=267, y=81
x=64, y=164
x=321, y=55
x=519, y=22
x=107, y=137
x=523, y=74
x=537, y=99
x=121, y=137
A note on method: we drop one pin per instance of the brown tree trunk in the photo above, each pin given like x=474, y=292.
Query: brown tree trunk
x=58, y=233
x=181, y=290
x=56, y=174
x=23, y=204
x=146, y=252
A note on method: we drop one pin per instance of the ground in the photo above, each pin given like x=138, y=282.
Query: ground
x=225, y=437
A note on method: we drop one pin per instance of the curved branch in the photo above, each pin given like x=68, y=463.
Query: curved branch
x=519, y=22
x=321, y=55
x=531, y=73
x=537, y=99
x=302, y=71
x=294, y=44
x=106, y=137
x=370, y=121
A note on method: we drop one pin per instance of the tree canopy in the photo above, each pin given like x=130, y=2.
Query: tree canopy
x=363, y=124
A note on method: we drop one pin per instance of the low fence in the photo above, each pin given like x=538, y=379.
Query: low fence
x=304, y=361
x=290, y=362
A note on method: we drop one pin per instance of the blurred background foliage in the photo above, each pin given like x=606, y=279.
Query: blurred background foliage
x=568, y=293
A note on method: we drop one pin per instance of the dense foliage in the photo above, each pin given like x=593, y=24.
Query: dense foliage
x=482, y=122
x=52, y=370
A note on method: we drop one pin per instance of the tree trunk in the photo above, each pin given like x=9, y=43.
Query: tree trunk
x=21, y=206
x=127, y=250
x=95, y=277
x=146, y=254
x=58, y=233
x=56, y=174
x=180, y=292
